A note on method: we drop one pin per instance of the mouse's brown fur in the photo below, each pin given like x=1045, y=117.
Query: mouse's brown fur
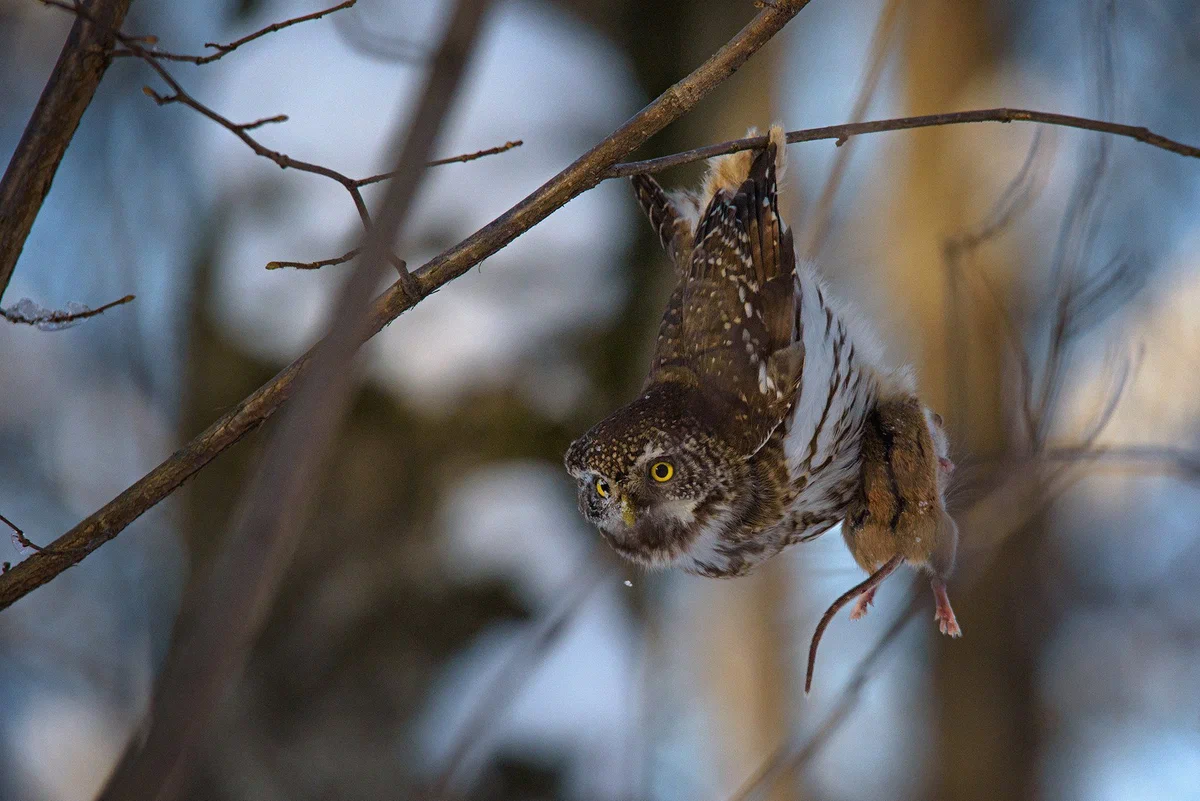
x=899, y=508
x=899, y=512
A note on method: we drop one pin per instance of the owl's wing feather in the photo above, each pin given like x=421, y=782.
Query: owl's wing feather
x=738, y=308
x=675, y=233
x=666, y=218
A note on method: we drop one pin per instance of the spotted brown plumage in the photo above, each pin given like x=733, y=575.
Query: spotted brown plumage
x=746, y=436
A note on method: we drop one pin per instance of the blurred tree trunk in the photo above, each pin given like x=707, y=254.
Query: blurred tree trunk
x=986, y=745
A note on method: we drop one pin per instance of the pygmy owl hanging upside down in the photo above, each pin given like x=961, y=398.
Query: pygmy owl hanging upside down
x=767, y=417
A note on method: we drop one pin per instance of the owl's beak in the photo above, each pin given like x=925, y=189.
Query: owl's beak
x=627, y=515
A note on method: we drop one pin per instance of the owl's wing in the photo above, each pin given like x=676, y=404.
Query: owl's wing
x=672, y=225
x=675, y=233
x=737, y=308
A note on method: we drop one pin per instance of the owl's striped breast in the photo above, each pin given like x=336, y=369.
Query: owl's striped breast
x=840, y=384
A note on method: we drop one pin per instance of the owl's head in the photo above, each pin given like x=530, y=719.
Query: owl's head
x=650, y=476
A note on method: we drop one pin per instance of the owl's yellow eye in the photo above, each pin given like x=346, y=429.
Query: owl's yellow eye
x=662, y=471
x=602, y=488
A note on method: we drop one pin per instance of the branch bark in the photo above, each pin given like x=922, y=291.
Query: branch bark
x=583, y=174
x=81, y=64
x=843, y=132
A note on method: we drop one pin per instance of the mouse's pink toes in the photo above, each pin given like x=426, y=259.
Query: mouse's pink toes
x=862, y=604
x=946, y=622
x=944, y=614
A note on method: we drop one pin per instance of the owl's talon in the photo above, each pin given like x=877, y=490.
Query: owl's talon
x=863, y=604
x=944, y=613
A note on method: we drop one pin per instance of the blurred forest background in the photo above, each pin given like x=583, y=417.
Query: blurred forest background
x=449, y=621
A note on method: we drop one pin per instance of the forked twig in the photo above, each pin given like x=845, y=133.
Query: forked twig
x=224, y=49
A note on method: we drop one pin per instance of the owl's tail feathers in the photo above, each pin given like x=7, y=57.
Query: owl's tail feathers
x=676, y=215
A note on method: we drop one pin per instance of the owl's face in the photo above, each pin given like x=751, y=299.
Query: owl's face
x=650, y=479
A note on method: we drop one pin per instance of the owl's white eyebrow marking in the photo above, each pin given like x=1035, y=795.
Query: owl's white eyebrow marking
x=650, y=451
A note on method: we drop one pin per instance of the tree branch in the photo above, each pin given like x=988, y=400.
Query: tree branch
x=478, y=154
x=224, y=50
x=26, y=312
x=133, y=45
x=313, y=265
x=843, y=132
x=81, y=64
x=587, y=171
x=232, y=605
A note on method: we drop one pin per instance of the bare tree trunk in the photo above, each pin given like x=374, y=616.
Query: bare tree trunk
x=982, y=682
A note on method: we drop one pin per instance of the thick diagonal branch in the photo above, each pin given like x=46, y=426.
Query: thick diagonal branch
x=586, y=172
x=81, y=64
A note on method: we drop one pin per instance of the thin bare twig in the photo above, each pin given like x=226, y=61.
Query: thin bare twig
x=313, y=265
x=19, y=536
x=250, y=126
x=284, y=161
x=224, y=50
x=586, y=172
x=843, y=133
x=25, y=312
x=478, y=154
x=21, y=541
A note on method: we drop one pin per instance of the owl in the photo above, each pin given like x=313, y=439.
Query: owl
x=748, y=434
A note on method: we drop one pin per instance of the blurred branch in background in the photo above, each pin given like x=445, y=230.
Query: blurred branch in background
x=583, y=174
x=231, y=607
x=819, y=219
x=787, y=760
x=519, y=669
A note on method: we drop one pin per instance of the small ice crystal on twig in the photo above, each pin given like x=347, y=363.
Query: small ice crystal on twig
x=26, y=312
